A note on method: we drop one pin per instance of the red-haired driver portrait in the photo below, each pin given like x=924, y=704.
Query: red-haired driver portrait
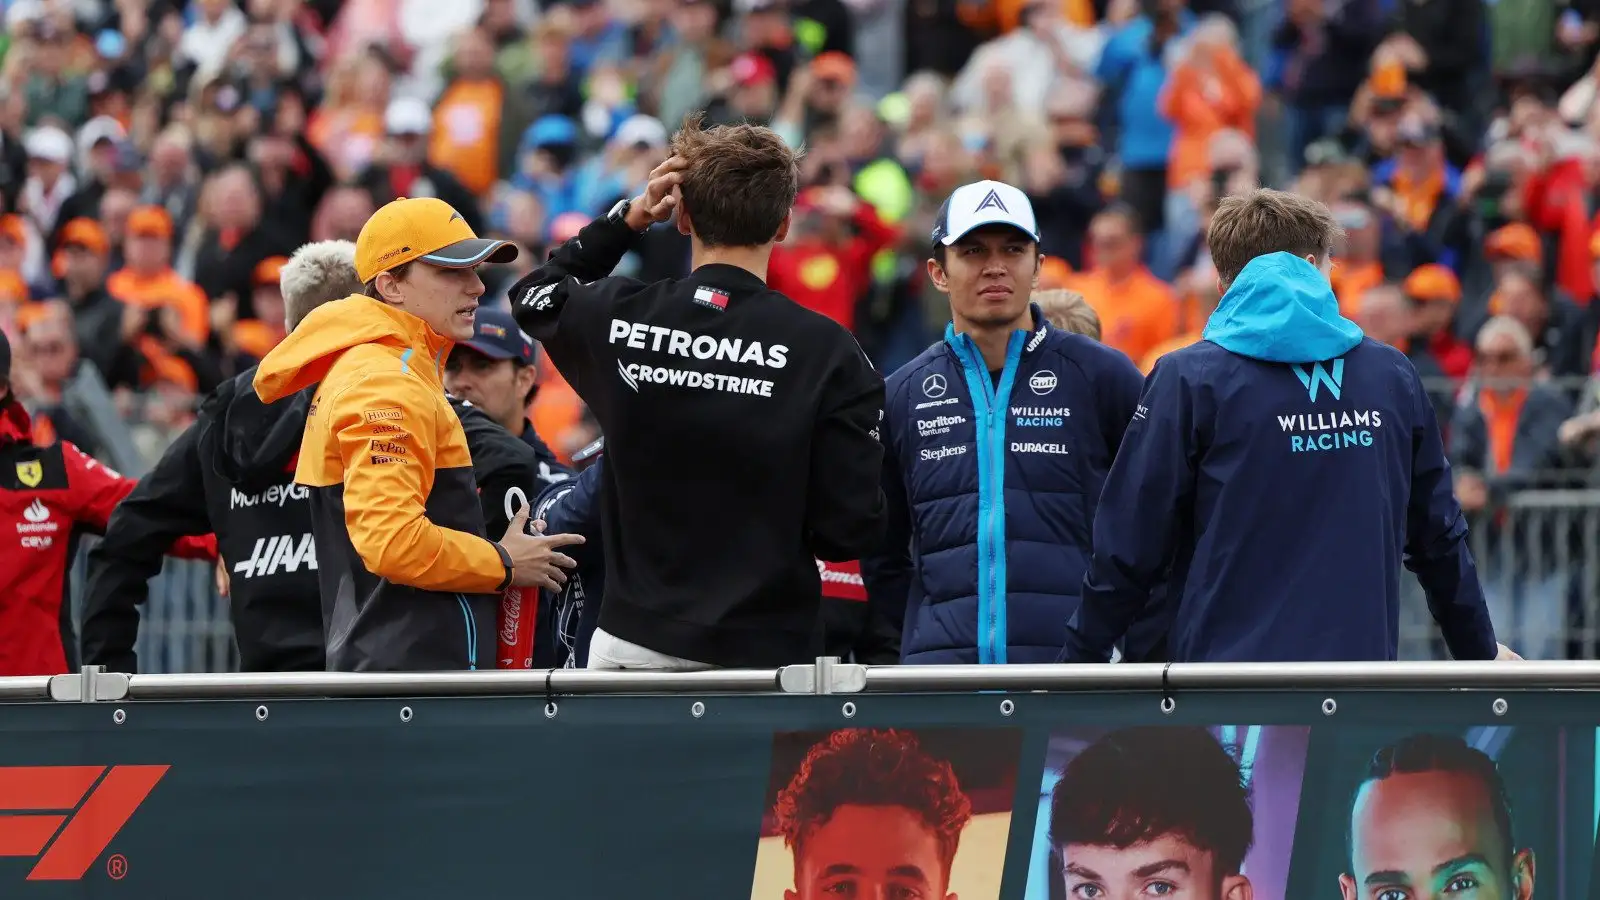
x=870, y=814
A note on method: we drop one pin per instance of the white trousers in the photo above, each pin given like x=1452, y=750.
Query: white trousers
x=611, y=653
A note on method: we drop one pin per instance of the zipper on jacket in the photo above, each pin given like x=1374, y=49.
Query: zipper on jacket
x=991, y=488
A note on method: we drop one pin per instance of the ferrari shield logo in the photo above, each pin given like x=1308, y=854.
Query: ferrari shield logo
x=30, y=473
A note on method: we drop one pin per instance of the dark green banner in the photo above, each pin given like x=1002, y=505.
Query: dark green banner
x=1030, y=796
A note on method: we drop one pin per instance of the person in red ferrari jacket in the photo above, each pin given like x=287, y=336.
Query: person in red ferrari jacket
x=825, y=264
x=48, y=495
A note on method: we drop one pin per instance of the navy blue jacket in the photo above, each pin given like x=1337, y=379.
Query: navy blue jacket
x=1275, y=477
x=567, y=619
x=992, y=485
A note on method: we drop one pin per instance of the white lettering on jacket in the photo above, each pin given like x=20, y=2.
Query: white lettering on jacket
x=656, y=339
x=277, y=495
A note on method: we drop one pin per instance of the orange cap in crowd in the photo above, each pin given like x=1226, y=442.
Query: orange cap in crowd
x=1594, y=244
x=270, y=271
x=1432, y=283
x=13, y=229
x=1388, y=80
x=86, y=233
x=149, y=221
x=1515, y=241
x=834, y=66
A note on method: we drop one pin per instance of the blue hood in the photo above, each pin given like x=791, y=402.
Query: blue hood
x=1281, y=309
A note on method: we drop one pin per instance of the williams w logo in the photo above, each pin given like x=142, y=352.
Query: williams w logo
x=74, y=812
x=1317, y=376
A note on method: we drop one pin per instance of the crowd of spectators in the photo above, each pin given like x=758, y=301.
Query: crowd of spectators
x=160, y=158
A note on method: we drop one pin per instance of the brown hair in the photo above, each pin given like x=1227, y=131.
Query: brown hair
x=739, y=184
x=873, y=767
x=1267, y=221
x=1068, y=311
x=399, y=272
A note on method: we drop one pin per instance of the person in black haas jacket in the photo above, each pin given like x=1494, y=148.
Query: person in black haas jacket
x=244, y=453
x=724, y=404
x=51, y=494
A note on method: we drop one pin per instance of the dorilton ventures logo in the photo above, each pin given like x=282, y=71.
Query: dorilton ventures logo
x=74, y=812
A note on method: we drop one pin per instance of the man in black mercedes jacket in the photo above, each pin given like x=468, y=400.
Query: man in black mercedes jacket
x=741, y=428
x=233, y=470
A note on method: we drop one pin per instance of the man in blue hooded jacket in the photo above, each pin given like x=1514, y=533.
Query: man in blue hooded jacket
x=996, y=441
x=1277, y=473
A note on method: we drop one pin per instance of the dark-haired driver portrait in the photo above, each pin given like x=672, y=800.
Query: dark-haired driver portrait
x=1432, y=821
x=1152, y=812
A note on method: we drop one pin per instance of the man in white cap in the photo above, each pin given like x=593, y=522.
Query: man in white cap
x=401, y=167
x=995, y=443
x=49, y=182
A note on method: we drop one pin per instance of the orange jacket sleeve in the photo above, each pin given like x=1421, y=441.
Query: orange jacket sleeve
x=387, y=479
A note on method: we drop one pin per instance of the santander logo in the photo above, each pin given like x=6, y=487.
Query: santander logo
x=842, y=581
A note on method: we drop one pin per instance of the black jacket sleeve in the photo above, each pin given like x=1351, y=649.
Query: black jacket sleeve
x=846, y=511
x=506, y=469
x=168, y=503
x=563, y=298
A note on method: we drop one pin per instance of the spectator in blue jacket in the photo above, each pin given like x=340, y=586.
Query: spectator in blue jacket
x=1277, y=474
x=996, y=442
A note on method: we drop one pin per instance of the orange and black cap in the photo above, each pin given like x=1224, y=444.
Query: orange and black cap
x=424, y=229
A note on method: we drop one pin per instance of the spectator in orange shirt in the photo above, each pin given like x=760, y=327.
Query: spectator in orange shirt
x=169, y=318
x=466, y=117
x=1360, y=267
x=826, y=262
x=1209, y=90
x=1137, y=310
x=13, y=246
x=252, y=338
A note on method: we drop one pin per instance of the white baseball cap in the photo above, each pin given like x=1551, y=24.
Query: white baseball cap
x=407, y=115
x=49, y=143
x=983, y=203
x=640, y=129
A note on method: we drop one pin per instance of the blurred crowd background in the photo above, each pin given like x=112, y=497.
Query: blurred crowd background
x=160, y=158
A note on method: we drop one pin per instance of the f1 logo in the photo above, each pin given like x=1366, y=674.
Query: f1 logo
x=95, y=809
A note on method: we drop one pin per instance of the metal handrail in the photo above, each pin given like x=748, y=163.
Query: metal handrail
x=827, y=676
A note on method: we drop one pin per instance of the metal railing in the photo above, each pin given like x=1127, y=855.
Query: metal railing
x=828, y=675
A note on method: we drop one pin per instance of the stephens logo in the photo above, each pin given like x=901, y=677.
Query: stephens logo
x=95, y=810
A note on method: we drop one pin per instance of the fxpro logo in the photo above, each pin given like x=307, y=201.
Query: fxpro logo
x=72, y=815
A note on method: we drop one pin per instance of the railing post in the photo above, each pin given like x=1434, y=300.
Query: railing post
x=91, y=684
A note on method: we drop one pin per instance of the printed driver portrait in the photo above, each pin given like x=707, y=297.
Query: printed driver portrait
x=1432, y=821
x=1152, y=811
x=869, y=813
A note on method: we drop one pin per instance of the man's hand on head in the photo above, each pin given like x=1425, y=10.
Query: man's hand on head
x=660, y=197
